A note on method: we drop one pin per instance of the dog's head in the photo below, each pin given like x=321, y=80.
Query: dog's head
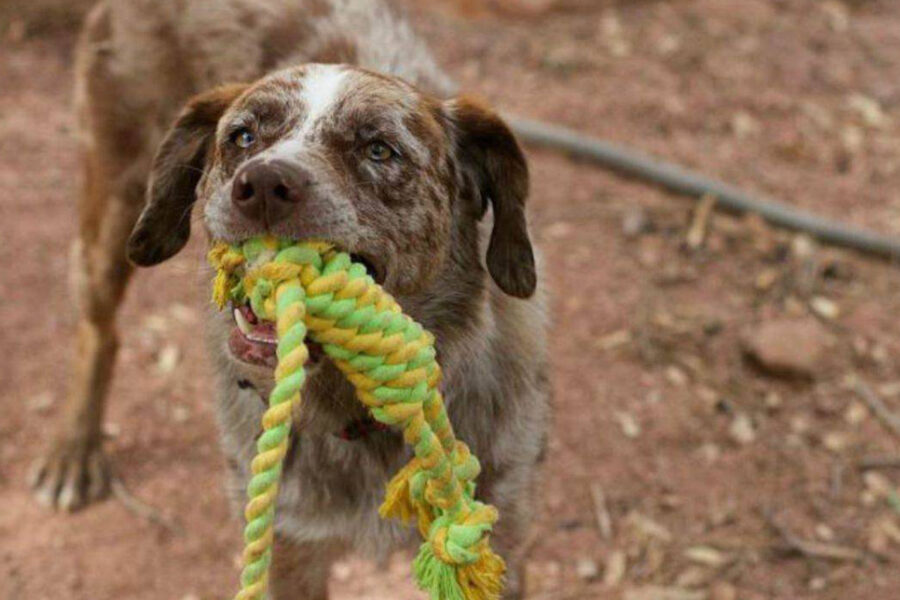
x=388, y=173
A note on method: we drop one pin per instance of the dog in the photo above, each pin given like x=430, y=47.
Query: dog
x=320, y=119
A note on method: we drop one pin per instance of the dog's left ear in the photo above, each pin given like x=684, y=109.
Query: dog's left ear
x=489, y=152
x=165, y=223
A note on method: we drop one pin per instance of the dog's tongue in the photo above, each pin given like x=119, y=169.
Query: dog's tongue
x=253, y=341
x=252, y=352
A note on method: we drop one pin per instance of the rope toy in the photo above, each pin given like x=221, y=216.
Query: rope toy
x=310, y=288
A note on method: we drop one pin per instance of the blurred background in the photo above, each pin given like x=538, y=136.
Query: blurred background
x=725, y=392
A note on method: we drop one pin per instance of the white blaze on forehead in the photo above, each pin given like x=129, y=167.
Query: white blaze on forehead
x=322, y=87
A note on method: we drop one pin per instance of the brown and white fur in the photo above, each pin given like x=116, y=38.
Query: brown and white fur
x=343, y=106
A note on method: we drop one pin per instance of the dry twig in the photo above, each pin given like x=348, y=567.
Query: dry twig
x=884, y=414
x=601, y=512
x=700, y=221
x=813, y=549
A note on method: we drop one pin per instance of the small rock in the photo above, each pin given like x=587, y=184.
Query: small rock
x=838, y=15
x=825, y=308
x=803, y=247
x=880, y=354
x=676, y=376
x=788, y=347
x=766, y=279
x=190, y=597
x=856, y=413
x=629, y=425
x=183, y=313
x=342, y=571
x=616, y=565
x=615, y=339
x=587, y=569
x=168, y=359
x=800, y=424
x=647, y=528
x=817, y=584
x=668, y=44
x=743, y=125
x=705, y=555
x=835, y=442
x=41, y=402
x=558, y=230
x=774, y=401
x=824, y=532
x=180, y=414
x=156, y=323
x=741, y=430
x=710, y=452
x=879, y=485
x=869, y=110
x=694, y=577
x=635, y=222
x=852, y=138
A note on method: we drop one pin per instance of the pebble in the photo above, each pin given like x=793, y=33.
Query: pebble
x=635, y=222
x=168, y=359
x=825, y=308
x=587, y=569
x=41, y=402
x=629, y=425
x=741, y=430
x=788, y=347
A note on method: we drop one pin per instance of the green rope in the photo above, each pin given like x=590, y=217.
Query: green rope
x=310, y=288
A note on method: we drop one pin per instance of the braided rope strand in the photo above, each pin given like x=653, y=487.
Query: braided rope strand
x=311, y=289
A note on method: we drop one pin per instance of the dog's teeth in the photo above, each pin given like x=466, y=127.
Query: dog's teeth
x=242, y=323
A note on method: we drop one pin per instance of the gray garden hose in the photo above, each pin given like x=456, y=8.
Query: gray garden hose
x=683, y=181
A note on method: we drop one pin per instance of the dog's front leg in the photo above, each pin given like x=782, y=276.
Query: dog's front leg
x=300, y=571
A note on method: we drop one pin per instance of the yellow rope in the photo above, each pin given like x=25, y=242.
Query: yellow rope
x=311, y=288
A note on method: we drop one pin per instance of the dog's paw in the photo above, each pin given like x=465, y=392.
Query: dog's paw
x=73, y=474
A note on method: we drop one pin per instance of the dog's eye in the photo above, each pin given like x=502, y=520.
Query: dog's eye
x=243, y=138
x=379, y=151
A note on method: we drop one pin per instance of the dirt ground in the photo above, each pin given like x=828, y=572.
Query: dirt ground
x=677, y=469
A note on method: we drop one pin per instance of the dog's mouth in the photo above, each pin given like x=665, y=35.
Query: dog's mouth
x=254, y=341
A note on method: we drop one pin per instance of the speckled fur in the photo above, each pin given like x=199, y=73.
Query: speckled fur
x=422, y=222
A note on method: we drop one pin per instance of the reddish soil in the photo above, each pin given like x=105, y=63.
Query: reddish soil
x=697, y=452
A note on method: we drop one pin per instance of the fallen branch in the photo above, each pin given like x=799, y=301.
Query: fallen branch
x=878, y=407
x=682, y=181
x=813, y=549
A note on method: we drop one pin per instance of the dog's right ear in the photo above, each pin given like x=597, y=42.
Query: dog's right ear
x=165, y=223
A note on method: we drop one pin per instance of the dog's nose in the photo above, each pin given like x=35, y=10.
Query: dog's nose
x=269, y=191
